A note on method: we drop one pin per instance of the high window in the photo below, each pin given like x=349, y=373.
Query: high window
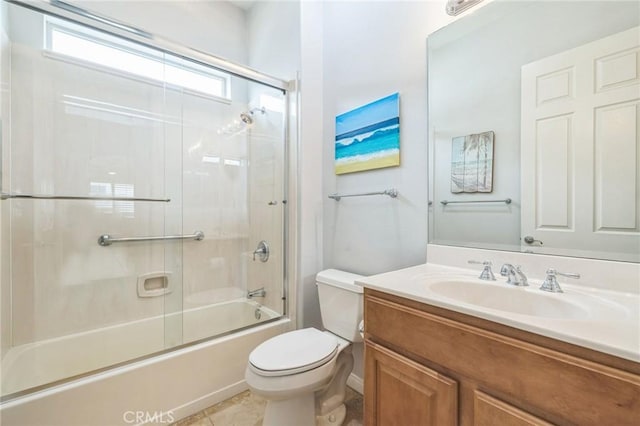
x=122, y=56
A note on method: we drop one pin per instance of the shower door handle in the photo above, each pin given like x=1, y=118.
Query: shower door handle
x=262, y=251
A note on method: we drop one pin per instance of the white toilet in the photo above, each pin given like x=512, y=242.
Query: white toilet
x=303, y=373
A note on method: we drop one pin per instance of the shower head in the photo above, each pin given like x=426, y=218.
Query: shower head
x=247, y=117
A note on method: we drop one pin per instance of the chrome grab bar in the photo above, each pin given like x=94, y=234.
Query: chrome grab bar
x=393, y=193
x=107, y=240
x=506, y=201
x=5, y=196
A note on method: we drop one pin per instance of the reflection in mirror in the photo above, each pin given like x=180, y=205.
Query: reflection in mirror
x=559, y=85
x=472, y=163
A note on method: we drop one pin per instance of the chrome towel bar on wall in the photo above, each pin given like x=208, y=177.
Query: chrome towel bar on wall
x=5, y=196
x=393, y=193
x=506, y=201
x=107, y=240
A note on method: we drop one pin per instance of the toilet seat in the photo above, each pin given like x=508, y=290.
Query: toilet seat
x=293, y=352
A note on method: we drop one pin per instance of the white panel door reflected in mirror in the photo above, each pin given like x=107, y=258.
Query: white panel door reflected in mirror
x=475, y=84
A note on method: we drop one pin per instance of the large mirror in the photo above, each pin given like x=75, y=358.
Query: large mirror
x=534, y=129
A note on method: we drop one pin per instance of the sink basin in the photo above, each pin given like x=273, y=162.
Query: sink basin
x=593, y=317
x=524, y=301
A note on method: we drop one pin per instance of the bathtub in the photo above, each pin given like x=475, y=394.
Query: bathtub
x=154, y=390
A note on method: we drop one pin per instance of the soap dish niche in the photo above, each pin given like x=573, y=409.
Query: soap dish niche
x=154, y=284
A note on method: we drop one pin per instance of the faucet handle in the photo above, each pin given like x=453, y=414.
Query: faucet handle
x=262, y=251
x=551, y=283
x=487, y=273
x=477, y=262
x=552, y=271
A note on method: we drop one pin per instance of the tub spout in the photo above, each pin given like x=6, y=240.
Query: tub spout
x=257, y=293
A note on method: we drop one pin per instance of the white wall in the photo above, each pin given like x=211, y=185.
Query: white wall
x=274, y=38
x=370, y=50
x=373, y=49
x=216, y=27
x=311, y=168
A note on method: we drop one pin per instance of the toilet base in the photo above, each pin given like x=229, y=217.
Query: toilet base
x=299, y=412
x=291, y=412
x=333, y=418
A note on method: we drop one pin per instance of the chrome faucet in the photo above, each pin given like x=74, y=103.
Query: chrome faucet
x=257, y=293
x=551, y=283
x=487, y=273
x=514, y=275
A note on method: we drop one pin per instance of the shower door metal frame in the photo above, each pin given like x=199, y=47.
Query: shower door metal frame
x=290, y=91
x=108, y=25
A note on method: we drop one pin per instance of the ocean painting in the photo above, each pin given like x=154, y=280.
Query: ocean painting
x=368, y=137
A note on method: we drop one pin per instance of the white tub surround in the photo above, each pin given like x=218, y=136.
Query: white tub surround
x=34, y=364
x=603, y=320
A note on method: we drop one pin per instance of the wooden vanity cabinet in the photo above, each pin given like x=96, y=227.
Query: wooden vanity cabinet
x=426, y=365
x=407, y=393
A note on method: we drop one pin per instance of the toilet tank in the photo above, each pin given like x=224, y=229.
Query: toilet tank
x=341, y=303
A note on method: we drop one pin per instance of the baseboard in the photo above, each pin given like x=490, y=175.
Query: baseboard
x=192, y=407
x=356, y=383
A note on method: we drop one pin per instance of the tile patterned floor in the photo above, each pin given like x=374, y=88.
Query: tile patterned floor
x=246, y=409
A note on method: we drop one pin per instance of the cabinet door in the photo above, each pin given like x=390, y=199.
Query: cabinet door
x=489, y=411
x=401, y=392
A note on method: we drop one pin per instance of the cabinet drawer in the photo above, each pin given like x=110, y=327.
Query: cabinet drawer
x=567, y=389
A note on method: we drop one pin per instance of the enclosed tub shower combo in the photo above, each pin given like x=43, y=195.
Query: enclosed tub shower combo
x=143, y=213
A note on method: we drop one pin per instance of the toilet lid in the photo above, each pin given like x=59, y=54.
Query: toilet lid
x=294, y=352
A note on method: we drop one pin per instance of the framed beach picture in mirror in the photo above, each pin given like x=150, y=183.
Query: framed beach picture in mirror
x=368, y=137
x=472, y=163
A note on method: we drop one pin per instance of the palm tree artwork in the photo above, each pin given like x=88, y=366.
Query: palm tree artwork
x=472, y=163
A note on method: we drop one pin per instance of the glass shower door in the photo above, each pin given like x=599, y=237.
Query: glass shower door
x=86, y=164
x=233, y=189
x=136, y=188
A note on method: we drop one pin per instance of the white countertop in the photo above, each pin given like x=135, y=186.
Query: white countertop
x=610, y=324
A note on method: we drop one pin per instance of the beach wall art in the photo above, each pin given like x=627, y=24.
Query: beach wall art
x=472, y=163
x=368, y=137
